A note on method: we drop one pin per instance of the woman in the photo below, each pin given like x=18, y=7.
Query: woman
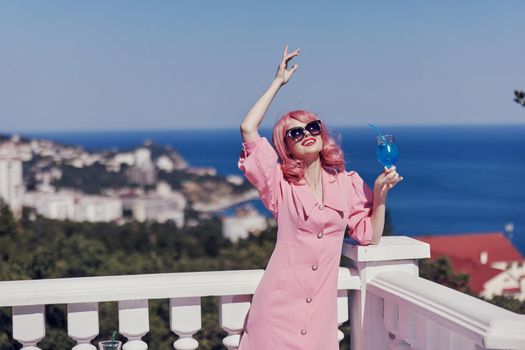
x=302, y=181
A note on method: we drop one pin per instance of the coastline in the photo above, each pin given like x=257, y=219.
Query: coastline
x=226, y=203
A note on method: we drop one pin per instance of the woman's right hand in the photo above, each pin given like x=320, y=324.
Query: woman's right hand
x=252, y=120
x=283, y=73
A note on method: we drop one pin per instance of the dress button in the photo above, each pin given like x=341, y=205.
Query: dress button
x=314, y=267
x=308, y=300
x=320, y=235
x=321, y=206
x=303, y=331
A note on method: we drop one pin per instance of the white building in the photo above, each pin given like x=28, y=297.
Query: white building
x=142, y=157
x=23, y=149
x=74, y=206
x=202, y=171
x=165, y=163
x=159, y=208
x=98, y=209
x=144, y=175
x=163, y=189
x=11, y=179
x=246, y=221
x=235, y=179
x=120, y=159
x=144, y=171
x=58, y=206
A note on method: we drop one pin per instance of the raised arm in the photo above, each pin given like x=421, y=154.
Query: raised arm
x=252, y=120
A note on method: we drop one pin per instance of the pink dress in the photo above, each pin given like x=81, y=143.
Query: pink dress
x=294, y=307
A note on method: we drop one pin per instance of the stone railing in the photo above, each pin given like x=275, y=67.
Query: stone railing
x=396, y=309
x=390, y=306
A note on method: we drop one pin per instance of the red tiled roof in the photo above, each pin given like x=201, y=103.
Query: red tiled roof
x=470, y=246
x=478, y=274
x=464, y=253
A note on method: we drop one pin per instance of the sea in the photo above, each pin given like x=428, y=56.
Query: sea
x=457, y=179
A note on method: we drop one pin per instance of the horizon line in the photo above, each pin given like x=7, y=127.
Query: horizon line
x=160, y=129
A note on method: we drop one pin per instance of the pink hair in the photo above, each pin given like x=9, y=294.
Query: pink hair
x=331, y=155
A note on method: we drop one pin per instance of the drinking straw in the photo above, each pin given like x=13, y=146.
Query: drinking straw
x=378, y=132
x=113, y=336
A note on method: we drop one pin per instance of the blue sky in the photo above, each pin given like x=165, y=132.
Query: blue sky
x=132, y=65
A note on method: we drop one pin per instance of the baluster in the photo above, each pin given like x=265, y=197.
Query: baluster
x=442, y=338
x=391, y=317
x=432, y=335
x=133, y=318
x=185, y=320
x=376, y=315
x=29, y=325
x=232, y=315
x=408, y=326
x=459, y=341
x=392, y=321
x=397, y=344
x=342, y=311
x=82, y=324
x=427, y=334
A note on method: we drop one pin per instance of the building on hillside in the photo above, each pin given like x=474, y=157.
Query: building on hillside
x=23, y=150
x=11, y=179
x=161, y=206
x=159, y=209
x=165, y=163
x=235, y=179
x=74, y=206
x=142, y=157
x=94, y=208
x=246, y=221
x=494, y=265
x=143, y=176
x=52, y=205
x=115, y=164
x=143, y=172
x=202, y=171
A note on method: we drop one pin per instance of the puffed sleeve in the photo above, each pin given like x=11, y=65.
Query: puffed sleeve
x=258, y=162
x=361, y=203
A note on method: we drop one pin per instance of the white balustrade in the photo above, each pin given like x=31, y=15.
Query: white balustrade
x=82, y=324
x=133, y=316
x=232, y=315
x=342, y=311
x=29, y=325
x=390, y=306
x=391, y=254
x=392, y=324
x=427, y=315
x=185, y=321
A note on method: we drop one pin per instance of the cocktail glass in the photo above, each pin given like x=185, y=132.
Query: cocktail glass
x=387, y=153
x=110, y=345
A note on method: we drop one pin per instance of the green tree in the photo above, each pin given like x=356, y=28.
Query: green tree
x=8, y=225
x=508, y=302
x=440, y=271
x=9, y=232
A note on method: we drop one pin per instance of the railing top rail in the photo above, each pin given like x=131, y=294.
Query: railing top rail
x=147, y=286
x=389, y=248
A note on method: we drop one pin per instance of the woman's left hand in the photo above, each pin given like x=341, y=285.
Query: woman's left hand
x=386, y=180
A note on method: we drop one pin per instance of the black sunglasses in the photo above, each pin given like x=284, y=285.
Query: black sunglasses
x=298, y=133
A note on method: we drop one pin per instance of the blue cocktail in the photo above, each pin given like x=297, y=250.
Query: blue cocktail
x=387, y=153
